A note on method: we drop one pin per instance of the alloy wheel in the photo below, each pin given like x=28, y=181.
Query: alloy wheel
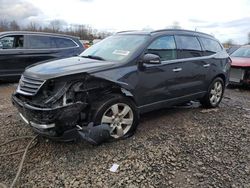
x=120, y=118
x=216, y=93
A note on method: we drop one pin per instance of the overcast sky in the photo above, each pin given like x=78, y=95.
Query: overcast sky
x=225, y=19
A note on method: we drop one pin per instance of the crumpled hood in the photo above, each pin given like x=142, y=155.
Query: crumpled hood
x=240, y=62
x=67, y=66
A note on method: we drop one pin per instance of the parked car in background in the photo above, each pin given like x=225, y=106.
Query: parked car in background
x=20, y=49
x=240, y=67
x=122, y=76
x=85, y=43
x=96, y=41
x=232, y=49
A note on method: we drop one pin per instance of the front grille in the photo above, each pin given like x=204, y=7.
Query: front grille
x=29, y=86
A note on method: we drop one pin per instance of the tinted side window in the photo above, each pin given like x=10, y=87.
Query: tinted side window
x=163, y=47
x=12, y=42
x=63, y=42
x=39, y=42
x=188, y=46
x=211, y=45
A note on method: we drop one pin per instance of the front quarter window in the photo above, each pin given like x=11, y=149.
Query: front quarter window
x=118, y=48
x=12, y=42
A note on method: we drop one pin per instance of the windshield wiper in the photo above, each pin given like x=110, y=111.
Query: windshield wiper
x=94, y=57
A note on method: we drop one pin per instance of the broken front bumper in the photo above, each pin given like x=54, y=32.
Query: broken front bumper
x=239, y=76
x=58, y=123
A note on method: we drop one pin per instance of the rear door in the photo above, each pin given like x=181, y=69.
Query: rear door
x=44, y=47
x=211, y=54
x=195, y=69
x=41, y=48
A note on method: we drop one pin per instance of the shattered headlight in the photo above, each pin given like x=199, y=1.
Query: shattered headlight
x=63, y=89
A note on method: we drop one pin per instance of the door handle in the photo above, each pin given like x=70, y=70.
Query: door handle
x=206, y=65
x=177, y=69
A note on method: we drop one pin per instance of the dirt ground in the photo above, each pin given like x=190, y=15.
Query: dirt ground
x=177, y=147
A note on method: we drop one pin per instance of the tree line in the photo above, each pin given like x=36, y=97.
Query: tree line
x=84, y=32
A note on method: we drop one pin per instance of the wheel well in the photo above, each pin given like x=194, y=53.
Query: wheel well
x=222, y=76
x=120, y=92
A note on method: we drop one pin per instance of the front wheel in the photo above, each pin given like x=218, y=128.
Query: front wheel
x=215, y=93
x=119, y=113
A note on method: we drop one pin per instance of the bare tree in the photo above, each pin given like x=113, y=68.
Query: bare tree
x=56, y=25
x=175, y=25
x=4, y=25
x=81, y=31
x=228, y=43
x=32, y=27
x=14, y=26
x=84, y=32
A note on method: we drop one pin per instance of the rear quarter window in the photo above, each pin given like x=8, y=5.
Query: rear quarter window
x=211, y=45
x=63, y=42
x=188, y=46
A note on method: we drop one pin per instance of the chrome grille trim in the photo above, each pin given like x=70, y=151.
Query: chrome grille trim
x=29, y=86
x=31, y=80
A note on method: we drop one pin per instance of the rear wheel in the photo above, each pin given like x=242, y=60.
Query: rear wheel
x=215, y=93
x=119, y=113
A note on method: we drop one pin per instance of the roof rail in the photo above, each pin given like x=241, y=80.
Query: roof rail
x=161, y=30
x=126, y=31
x=38, y=32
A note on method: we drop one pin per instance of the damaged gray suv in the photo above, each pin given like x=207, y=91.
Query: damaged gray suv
x=119, y=78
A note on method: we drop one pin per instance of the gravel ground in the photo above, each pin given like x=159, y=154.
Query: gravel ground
x=177, y=147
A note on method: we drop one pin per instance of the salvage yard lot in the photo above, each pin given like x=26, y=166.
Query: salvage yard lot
x=177, y=147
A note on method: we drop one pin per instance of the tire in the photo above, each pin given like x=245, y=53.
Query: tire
x=215, y=93
x=109, y=111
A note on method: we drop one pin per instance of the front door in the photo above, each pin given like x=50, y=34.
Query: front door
x=158, y=82
x=12, y=55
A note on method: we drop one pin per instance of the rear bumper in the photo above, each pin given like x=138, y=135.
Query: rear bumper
x=58, y=123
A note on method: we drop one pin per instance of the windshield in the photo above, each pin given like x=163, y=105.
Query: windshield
x=118, y=48
x=241, y=52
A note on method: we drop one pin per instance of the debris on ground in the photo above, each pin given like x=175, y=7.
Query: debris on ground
x=209, y=110
x=114, y=167
x=173, y=147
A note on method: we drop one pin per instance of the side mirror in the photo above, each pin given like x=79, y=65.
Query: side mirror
x=151, y=59
x=1, y=45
